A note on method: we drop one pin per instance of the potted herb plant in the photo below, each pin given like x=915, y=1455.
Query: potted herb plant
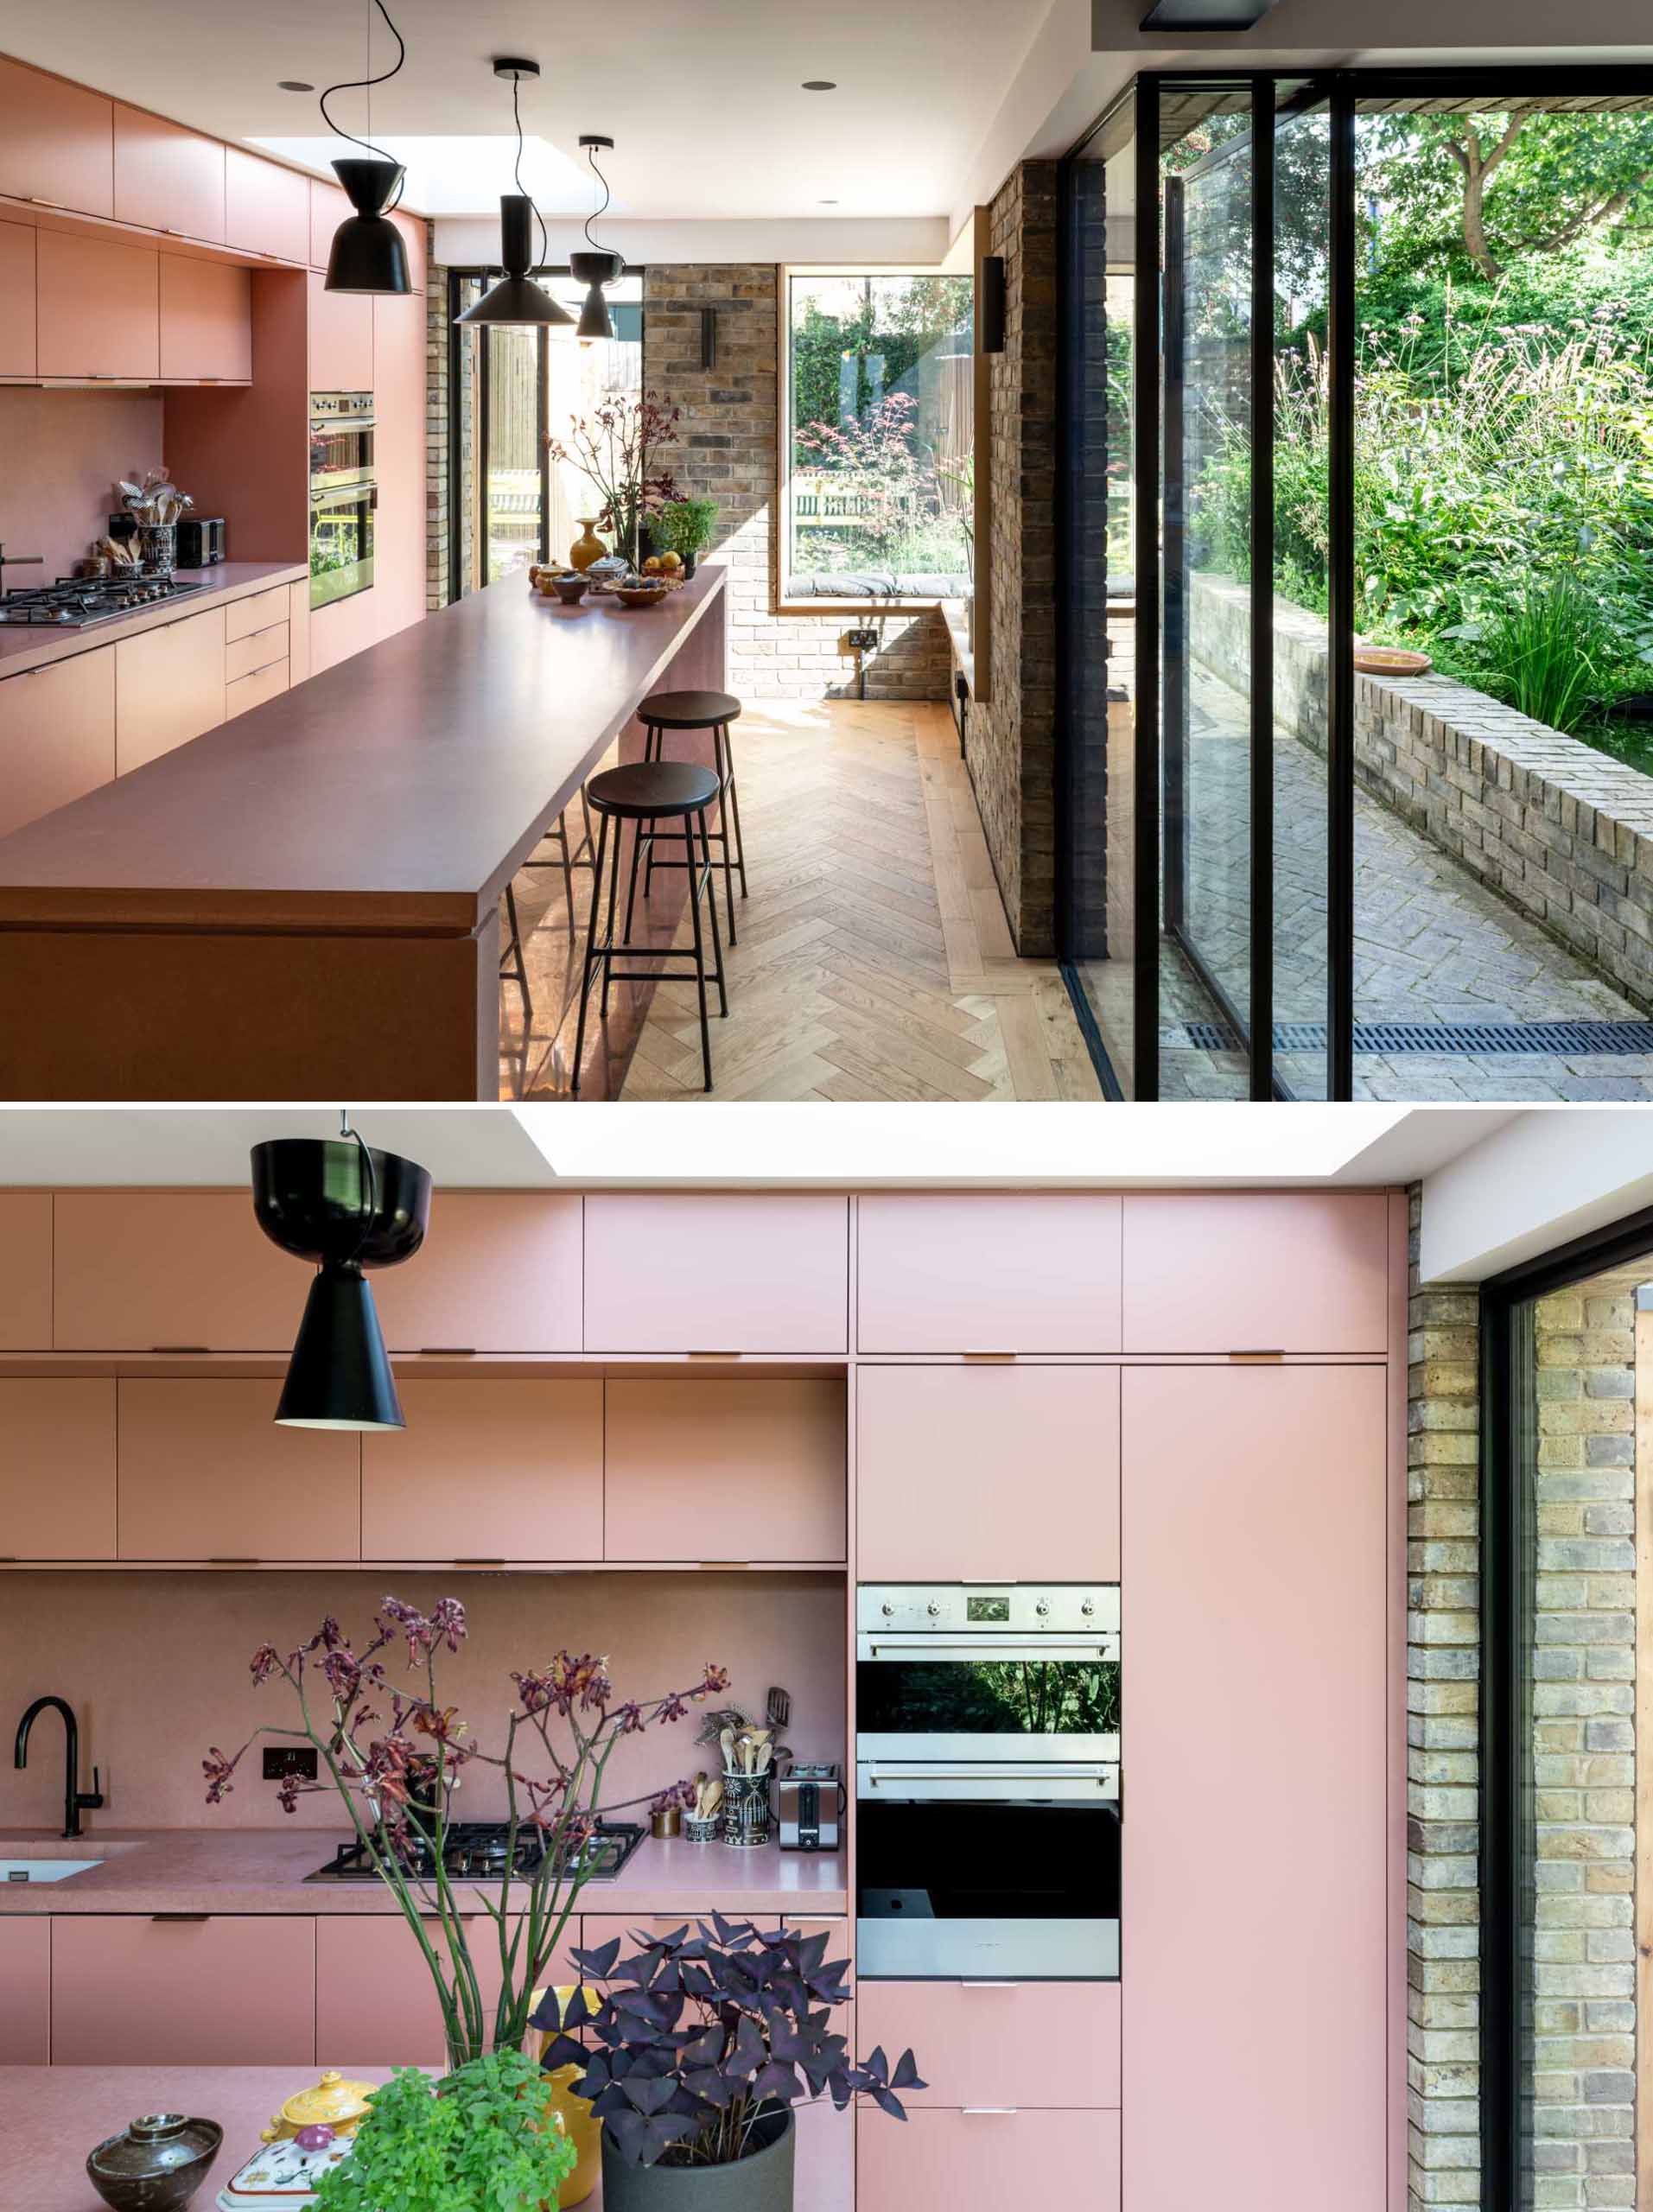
x=395, y=1774
x=479, y=2139
x=696, y=2055
x=620, y=449
x=685, y=527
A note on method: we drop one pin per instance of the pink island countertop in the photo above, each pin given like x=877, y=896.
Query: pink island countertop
x=263, y=1870
x=30, y=645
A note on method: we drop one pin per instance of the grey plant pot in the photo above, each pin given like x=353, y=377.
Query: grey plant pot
x=762, y=2182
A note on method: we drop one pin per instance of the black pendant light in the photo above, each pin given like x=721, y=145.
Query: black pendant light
x=516, y=298
x=368, y=254
x=597, y=267
x=344, y=1210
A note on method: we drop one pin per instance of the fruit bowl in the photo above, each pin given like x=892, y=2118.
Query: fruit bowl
x=641, y=591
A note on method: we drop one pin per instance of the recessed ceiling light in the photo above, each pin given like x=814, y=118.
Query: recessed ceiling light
x=293, y=85
x=828, y=203
x=819, y=84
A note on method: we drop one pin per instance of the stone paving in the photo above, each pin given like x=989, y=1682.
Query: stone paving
x=1431, y=945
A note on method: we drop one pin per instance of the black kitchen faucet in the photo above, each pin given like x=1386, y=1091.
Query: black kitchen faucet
x=75, y=1799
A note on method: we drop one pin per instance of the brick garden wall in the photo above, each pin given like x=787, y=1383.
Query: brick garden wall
x=730, y=452
x=1561, y=831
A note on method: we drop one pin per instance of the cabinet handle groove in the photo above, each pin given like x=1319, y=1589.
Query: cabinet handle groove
x=991, y=1354
x=449, y=1351
x=180, y=1348
x=696, y=1354
x=1268, y=1352
x=180, y=1916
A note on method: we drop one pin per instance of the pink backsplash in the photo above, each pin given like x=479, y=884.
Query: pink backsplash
x=155, y=1667
x=60, y=454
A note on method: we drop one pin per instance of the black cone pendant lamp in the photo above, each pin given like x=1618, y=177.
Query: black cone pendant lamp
x=367, y=253
x=597, y=266
x=516, y=298
x=344, y=1210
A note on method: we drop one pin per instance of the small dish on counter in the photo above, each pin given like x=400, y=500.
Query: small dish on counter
x=570, y=588
x=639, y=591
x=157, y=2164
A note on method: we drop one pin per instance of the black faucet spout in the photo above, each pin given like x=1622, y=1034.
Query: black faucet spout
x=74, y=1798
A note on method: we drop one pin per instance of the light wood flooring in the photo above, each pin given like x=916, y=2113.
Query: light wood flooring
x=874, y=960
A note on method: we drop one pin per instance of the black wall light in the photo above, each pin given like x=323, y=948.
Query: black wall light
x=708, y=338
x=344, y=1209
x=516, y=298
x=367, y=254
x=991, y=302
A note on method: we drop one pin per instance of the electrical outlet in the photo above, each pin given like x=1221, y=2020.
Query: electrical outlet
x=862, y=641
x=282, y=1759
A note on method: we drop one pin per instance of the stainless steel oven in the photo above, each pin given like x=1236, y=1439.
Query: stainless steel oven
x=988, y=1782
x=343, y=498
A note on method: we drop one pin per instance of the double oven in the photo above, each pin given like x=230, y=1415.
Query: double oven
x=988, y=1780
x=344, y=497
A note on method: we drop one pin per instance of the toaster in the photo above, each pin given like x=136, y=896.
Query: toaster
x=811, y=1801
x=202, y=541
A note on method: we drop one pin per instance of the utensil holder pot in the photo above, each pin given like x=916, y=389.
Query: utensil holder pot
x=745, y=1809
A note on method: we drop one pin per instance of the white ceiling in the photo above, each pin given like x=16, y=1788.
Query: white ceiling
x=703, y=98
x=859, y=1147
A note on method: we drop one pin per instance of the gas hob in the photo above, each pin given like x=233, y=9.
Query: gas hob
x=79, y=603
x=475, y=1851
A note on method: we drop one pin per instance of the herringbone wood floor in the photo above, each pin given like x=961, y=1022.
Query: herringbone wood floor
x=874, y=961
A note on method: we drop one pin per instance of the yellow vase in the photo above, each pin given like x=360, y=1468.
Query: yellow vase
x=584, y=2131
x=588, y=547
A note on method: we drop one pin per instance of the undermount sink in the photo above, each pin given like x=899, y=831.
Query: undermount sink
x=44, y=1870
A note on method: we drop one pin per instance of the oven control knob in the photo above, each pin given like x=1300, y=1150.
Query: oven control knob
x=933, y=1610
x=1042, y=1609
x=1087, y=1609
x=887, y=1612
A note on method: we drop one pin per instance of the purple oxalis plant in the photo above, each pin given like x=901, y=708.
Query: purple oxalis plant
x=393, y=1756
x=698, y=2038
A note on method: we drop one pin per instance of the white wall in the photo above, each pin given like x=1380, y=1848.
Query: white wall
x=470, y=241
x=1535, y=1183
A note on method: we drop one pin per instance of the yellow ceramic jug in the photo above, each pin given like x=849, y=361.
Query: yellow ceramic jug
x=582, y=2130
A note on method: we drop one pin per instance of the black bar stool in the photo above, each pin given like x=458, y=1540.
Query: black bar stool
x=693, y=710
x=513, y=962
x=513, y=965
x=644, y=793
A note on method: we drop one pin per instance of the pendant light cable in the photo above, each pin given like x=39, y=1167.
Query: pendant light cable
x=597, y=213
x=371, y=1208
x=365, y=83
x=515, y=112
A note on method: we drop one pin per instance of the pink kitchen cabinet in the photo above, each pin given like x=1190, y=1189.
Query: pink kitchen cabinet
x=722, y=1272
x=57, y=142
x=167, y=178
x=206, y=1474
x=966, y=1473
x=213, y=1990
x=375, y=1994
x=206, y=320
x=499, y=1271
x=341, y=340
x=493, y=1469
x=57, y=1467
x=26, y=1278
x=1025, y=2044
x=25, y=1989
x=328, y=208
x=1023, y=1274
x=171, y=1270
x=1294, y=1271
x=168, y=688
x=266, y=207
x=57, y=736
x=714, y=1470
x=18, y=355
x=98, y=302
x=1258, y=1765
x=938, y=2161
x=823, y=2157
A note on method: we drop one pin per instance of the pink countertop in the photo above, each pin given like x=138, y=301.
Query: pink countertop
x=25, y=647
x=263, y=1870
x=52, y=2116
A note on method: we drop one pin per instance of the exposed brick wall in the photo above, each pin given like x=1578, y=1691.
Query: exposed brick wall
x=1443, y=1677
x=730, y=451
x=437, y=550
x=1012, y=749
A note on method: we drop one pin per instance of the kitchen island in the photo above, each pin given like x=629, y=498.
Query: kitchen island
x=304, y=903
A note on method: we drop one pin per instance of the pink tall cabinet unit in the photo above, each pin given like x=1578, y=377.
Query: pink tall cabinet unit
x=1199, y=1395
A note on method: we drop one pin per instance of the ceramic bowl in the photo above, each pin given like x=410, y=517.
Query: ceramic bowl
x=1390, y=660
x=570, y=588
x=156, y=2165
x=640, y=593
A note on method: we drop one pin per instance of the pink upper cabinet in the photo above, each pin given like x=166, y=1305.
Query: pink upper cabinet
x=1256, y=1271
x=167, y=178
x=97, y=307
x=18, y=351
x=967, y=1474
x=1029, y=1274
x=499, y=1271
x=705, y=1469
x=266, y=207
x=57, y=1467
x=56, y=142
x=494, y=1469
x=725, y=1272
x=26, y=1274
x=341, y=340
x=206, y=320
x=206, y=1474
x=1257, y=1766
x=141, y=1270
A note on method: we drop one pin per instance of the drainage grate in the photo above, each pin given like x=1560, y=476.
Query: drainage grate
x=1456, y=1037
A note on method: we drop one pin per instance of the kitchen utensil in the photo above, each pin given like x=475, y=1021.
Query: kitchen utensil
x=778, y=1709
x=157, y=2164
